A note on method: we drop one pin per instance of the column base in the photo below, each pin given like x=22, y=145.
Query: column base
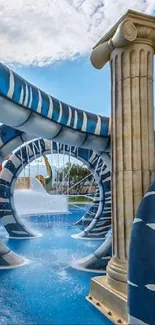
x=117, y=275
x=112, y=303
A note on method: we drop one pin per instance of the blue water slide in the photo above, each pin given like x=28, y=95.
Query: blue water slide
x=29, y=109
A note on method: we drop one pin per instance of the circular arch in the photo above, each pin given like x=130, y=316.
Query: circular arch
x=19, y=160
x=101, y=221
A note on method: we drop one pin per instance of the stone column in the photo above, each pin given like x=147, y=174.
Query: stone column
x=132, y=138
x=129, y=46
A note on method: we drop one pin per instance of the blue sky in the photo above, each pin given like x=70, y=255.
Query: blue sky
x=49, y=43
x=75, y=82
x=42, y=38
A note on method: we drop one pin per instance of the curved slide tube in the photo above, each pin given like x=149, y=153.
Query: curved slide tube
x=141, y=275
x=88, y=217
x=10, y=139
x=27, y=108
x=9, y=259
x=97, y=261
x=90, y=214
x=101, y=222
x=12, y=169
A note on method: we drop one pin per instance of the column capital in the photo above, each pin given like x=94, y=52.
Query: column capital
x=132, y=27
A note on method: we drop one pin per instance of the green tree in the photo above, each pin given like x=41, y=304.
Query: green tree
x=77, y=175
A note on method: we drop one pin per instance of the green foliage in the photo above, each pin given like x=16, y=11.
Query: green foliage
x=76, y=174
x=79, y=199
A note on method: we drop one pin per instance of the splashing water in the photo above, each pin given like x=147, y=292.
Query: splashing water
x=37, y=201
x=47, y=290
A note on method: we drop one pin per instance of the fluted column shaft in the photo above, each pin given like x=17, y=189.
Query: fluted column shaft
x=132, y=146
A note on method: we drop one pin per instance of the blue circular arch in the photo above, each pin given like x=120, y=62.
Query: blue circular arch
x=19, y=160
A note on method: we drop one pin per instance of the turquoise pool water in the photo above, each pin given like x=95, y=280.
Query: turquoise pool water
x=48, y=290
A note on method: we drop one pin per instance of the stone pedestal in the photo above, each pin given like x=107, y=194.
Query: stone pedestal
x=132, y=142
x=102, y=297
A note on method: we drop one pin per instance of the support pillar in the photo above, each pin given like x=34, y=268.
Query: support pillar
x=130, y=48
x=132, y=139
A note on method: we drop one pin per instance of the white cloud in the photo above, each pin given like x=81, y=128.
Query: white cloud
x=43, y=31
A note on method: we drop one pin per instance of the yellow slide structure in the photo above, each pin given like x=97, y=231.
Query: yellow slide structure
x=46, y=181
